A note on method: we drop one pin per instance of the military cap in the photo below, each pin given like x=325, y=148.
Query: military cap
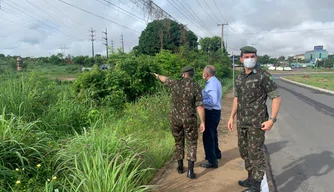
x=186, y=69
x=248, y=49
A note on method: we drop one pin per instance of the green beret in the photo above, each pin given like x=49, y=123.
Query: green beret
x=248, y=49
x=186, y=69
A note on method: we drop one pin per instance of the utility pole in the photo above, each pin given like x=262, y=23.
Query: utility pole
x=222, y=43
x=63, y=48
x=233, y=73
x=161, y=34
x=112, y=46
x=106, y=43
x=92, y=39
x=122, y=42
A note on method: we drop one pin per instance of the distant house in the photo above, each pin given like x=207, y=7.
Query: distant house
x=318, y=53
x=299, y=57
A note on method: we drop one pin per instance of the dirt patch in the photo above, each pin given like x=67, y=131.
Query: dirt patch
x=306, y=76
x=66, y=78
x=225, y=178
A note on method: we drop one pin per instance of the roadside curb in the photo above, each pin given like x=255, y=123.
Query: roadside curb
x=269, y=174
x=308, y=86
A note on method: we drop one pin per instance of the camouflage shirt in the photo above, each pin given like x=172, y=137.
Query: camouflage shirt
x=252, y=91
x=186, y=96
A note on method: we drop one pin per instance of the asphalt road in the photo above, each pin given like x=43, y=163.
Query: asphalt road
x=301, y=144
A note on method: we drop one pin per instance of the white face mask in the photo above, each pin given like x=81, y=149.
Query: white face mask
x=249, y=63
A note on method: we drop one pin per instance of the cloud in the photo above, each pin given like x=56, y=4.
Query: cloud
x=274, y=27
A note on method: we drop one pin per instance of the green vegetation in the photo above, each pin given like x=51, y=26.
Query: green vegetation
x=324, y=81
x=165, y=34
x=108, y=130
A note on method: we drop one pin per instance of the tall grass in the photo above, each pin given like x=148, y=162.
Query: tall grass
x=99, y=160
x=27, y=96
x=22, y=147
x=35, y=98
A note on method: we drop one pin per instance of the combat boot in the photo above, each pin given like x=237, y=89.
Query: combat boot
x=255, y=187
x=180, y=166
x=191, y=173
x=247, y=182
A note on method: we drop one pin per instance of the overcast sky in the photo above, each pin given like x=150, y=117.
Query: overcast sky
x=274, y=27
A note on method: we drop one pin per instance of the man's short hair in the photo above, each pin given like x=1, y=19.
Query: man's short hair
x=190, y=73
x=210, y=69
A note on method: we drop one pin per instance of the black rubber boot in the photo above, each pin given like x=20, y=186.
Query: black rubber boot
x=247, y=182
x=191, y=173
x=180, y=166
x=255, y=187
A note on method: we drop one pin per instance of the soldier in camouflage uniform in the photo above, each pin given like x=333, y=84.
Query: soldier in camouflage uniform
x=252, y=87
x=186, y=98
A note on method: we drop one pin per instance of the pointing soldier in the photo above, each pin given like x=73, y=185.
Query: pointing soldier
x=186, y=98
x=252, y=87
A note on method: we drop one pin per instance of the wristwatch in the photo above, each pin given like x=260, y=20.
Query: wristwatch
x=273, y=119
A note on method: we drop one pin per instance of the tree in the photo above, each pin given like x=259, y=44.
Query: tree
x=56, y=60
x=99, y=60
x=265, y=59
x=80, y=60
x=281, y=58
x=290, y=59
x=165, y=34
x=210, y=44
x=2, y=55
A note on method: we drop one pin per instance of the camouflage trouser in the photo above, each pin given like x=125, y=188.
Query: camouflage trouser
x=250, y=142
x=182, y=132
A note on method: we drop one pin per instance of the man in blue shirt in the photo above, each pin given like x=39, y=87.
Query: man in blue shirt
x=212, y=98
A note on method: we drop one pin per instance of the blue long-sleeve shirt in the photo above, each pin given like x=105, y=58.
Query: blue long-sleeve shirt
x=212, y=94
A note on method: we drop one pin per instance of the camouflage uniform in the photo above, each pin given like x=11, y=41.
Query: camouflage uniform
x=252, y=91
x=186, y=96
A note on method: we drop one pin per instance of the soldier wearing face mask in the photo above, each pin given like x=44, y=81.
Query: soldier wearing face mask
x=252, y=88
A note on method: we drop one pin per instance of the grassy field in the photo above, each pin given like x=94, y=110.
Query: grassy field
x=325, y=81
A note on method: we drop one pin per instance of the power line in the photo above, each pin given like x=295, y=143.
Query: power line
x=129, y=13
x=219, y=11
x=211, y=10
x=182, y=12
x=196, y=18
x=39, y=21
x=291, y=31
x=97, y=15
x=54, y=7
x=20, y=24
x=205, y=11
x=154, y=9
x=60, y=22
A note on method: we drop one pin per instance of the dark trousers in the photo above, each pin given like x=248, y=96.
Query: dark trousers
x=210, y=136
